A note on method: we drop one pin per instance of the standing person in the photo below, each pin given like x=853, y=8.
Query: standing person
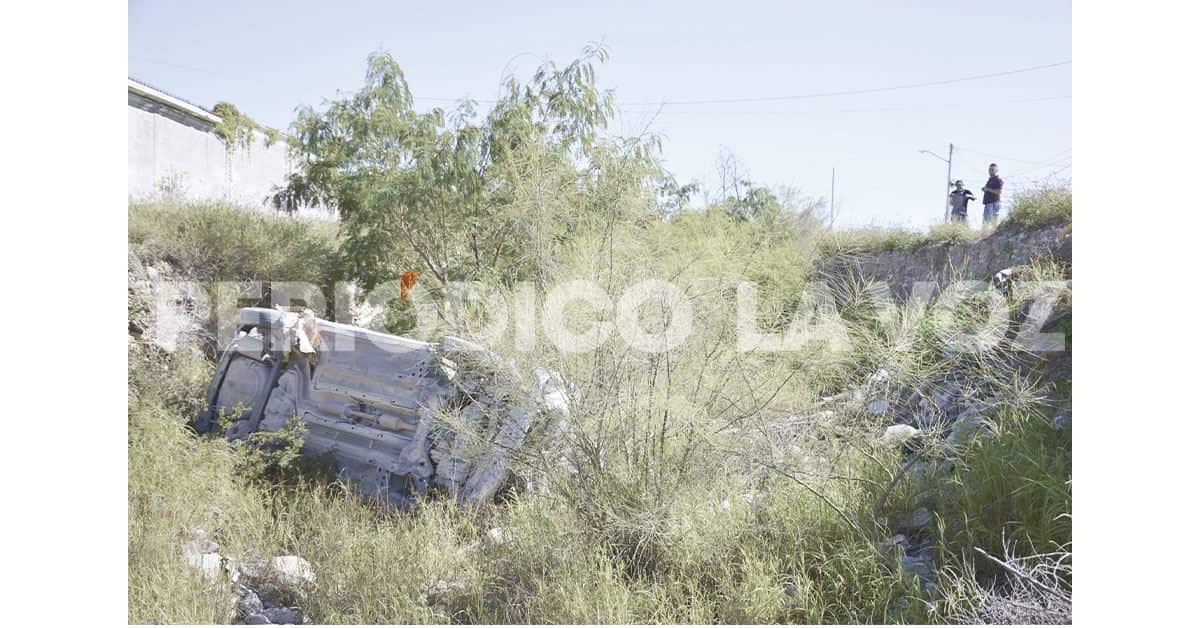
x=991, y=196
x=958, y=202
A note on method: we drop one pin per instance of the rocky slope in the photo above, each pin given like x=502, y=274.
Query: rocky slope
x=949, y=261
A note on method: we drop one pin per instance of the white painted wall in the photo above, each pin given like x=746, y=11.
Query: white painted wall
x=166, y=144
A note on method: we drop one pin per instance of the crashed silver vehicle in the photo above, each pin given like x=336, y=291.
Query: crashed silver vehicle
x=398, y=417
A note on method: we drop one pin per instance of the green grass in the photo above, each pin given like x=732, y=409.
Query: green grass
x=211, y=241
x=792, y=561
x=676, y=506
x=884, y=239
x=1040, y=207
x=1016, y=485
x=1032, y=209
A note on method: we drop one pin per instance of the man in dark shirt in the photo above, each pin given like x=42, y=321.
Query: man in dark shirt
x=991, y=196
x=958, y=202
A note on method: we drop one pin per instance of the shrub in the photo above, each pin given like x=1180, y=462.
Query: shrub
x=1039, y=207
x=882, y=240
x=213, y=241
x=673, y=497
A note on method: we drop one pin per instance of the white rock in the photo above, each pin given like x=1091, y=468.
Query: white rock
x=898, y=434
x=291, y=570
x=201, y=554
x=209, y=564
x=552, y=388
x=255, y=571
x=497, y=535
x=196, y=547
x=877, y=407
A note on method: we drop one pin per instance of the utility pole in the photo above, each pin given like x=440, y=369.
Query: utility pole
x=832, y=187
x=949, y=166
x=949, y=184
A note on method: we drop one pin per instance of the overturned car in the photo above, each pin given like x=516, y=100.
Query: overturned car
x=397, y=417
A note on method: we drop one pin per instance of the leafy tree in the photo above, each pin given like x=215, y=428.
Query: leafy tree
x=754, y=203
x=673, y=198
x=453, y=193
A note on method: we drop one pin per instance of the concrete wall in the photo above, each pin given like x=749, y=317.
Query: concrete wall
x=946, y=262
x=167, y=145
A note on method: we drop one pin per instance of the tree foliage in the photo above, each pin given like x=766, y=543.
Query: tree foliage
x=453, y=193
x=236, y=129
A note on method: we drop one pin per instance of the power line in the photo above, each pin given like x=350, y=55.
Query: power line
x=852, y=92
x=1049, y=163
x=718, y=101
x=871, y=90
x=1066, y=167
x=1007, y=158
x=973, y=105
x=1036, y=179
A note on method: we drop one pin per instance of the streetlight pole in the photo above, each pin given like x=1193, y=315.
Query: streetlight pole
x=949, y=180
x=832, y=187
x=949, y=166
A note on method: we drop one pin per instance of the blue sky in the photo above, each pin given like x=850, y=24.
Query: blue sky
x=269, y=57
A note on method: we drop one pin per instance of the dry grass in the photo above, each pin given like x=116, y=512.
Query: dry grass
x=1033, y=589
x=1039, y=207
x=224, y=242
x=884, y=239
x=676, y=496
x=1032, y=209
